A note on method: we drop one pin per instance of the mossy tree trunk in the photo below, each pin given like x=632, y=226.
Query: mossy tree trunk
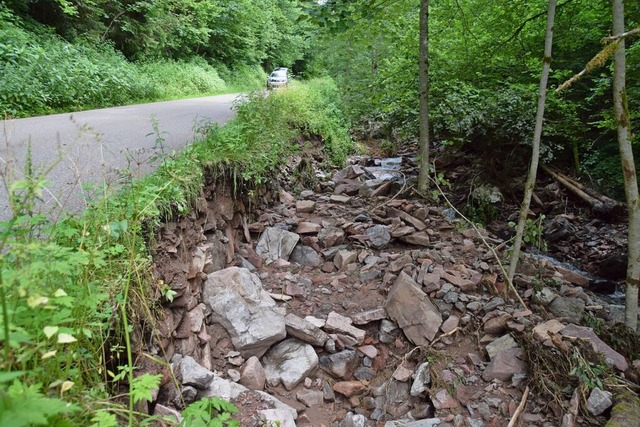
x=423, y=141
x=628, y=167
x=535, y=149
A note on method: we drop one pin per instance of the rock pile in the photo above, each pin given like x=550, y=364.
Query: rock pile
x=344, y=306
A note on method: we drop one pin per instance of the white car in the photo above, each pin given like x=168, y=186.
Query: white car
x=279, y=78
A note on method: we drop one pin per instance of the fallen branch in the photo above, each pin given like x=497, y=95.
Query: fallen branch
x=599, y=203
x=520, y=408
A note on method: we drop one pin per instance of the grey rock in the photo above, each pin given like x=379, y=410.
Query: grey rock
x=353, y=420
x=341, y=324
x=189, y=394
x=569, y=308
x=426, y=422
x=369, y=316
x=276, y=243
x=412, y=309
x=193, y=374
x=493, y=304
x=223, y=389
x=289, y=362
x=378, y=236
x=544, y=297
x=599, y=401
x=305, y=331
x=276, y=417
x=305, y=256
x=387, y=332
x=340, y=365
x=165, y=411
x=505, y=342
x=397, y=402
x=422, y=380
x=250, y=316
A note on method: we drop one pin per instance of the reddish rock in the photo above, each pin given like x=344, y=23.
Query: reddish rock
x=305, y=206
x=308, y=228
x=504, y=365
x=450, y=324
x=252, y=374
x=497, y=324
x=349, y=388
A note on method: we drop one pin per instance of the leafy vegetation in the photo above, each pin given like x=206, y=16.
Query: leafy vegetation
x=72, y=292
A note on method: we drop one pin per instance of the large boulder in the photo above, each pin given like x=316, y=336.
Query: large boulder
x=239, y=303
x=289, y=362
x=276, y=243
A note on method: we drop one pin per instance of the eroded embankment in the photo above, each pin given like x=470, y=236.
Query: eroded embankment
x=352, y=303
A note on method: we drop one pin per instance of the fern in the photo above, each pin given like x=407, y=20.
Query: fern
x=210, y=412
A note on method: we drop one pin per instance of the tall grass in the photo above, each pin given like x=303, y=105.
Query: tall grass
x=74, y=294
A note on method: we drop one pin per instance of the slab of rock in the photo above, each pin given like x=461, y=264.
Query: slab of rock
x=505, y=342
x=276, y=243
x=349, y=388
x=413, y=311
x=305, y=256
x=305, y=206
x=369, y=316
x=276, y=417
x=420, y=239
x=289, y=362
x=400, y=263
x=311, y=398
x=341, y=364
x=331, y=236
x=609, y=354
x=599, y=401
x=465, y=285
x=252, y=374
x=341, y=324
x=541, y=331
x=239, y=303
x=305, y=331
x=505, y=365
x=308, y=228
x=191, y=373
x=343, y=258
x=569, y=308
x=422, y=380
x=450, y=324
x=378, y=236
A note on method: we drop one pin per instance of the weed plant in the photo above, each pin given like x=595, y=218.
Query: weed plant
x=78, y=297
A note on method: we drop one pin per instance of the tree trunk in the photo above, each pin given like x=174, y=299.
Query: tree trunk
x=628, y=168
x=423, y=141
x=535, y=149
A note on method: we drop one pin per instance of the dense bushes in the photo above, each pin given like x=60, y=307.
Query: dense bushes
x=41, y=73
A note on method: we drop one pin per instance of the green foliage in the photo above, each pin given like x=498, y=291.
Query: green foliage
x=533, y=233
x=23, y=406
x=263, y=135
x=209, y=412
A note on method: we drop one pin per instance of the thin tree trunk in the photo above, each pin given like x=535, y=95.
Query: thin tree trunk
x=535, y=149
x=423, y=141
x=628, y=168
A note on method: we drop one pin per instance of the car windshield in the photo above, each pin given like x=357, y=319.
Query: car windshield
x=279, y=73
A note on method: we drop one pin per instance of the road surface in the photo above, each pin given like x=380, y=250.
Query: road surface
x=92, y=150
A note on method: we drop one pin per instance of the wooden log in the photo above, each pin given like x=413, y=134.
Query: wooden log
x=600, y=203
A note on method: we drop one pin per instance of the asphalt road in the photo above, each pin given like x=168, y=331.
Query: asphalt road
x=90, y=151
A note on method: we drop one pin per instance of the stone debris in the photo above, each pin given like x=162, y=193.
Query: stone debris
x=356, y=285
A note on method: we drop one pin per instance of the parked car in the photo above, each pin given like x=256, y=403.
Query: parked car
x=278, y=78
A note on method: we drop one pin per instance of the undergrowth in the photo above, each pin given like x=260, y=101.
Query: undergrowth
x=78, y=297
x=43, y=74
